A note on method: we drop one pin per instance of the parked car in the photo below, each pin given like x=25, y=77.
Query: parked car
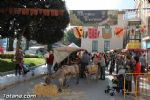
x=1, y=50
x=36, y=50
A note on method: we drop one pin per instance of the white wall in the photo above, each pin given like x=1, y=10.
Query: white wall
x=115, y=42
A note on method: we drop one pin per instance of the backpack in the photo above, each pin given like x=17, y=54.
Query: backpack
x=25, y=68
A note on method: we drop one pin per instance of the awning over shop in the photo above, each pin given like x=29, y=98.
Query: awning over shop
x=133, y=45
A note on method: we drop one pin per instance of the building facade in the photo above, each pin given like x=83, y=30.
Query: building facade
x=105, y=42
x=143, y=12
x=132, y=38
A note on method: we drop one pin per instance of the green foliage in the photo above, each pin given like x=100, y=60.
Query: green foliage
x=11, y=56
x=69, y=37
x=8, y=65
x=43, y=29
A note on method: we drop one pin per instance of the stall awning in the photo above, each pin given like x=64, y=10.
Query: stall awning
x=133, y=45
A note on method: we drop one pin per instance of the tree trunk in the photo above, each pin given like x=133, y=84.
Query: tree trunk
x=27, y=45
x=19, y=39
x=10, y=44
x=49, y=47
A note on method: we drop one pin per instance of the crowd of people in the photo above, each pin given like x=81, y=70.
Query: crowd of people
x=106, y=61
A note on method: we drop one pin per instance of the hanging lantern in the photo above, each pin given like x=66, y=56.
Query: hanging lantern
x=25, y=11
x=119, y=31
x=46, y=12
x=11, y=11
x=61, y=12
x=33, y=11
x=55, y=12
x=17, y=10
x=40, y=11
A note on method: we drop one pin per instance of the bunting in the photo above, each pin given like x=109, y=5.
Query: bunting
x=93, y=33
x=32, y=11
x=85, y=34
x=78, y=31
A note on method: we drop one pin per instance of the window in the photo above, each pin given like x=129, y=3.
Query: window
x=94, y=46
x=137, y=35
x=106, y=45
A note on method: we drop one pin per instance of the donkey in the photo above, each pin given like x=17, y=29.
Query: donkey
x=63, y=74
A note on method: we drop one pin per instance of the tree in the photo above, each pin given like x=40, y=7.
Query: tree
x=69, y=37
x=34, y=26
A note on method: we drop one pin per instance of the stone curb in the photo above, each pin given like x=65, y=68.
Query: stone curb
x=3, y=87
x=13, y=71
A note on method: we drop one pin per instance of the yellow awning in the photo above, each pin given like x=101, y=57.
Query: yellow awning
x=133, y=45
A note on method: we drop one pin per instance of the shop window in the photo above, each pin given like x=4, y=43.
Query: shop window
x=94, y=46
x=106, y=45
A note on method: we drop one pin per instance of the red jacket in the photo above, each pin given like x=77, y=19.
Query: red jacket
x=137, y=69
x=50, y=59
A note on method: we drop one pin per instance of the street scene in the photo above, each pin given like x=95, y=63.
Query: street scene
x=75, y=50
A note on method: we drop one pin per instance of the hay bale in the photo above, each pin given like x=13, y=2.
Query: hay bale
x=46, y=90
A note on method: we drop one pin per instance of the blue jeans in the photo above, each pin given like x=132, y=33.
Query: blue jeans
x=49, y=66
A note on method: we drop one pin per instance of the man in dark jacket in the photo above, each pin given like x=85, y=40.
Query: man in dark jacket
x=84, y=62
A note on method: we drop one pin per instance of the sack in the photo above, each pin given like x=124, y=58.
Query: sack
x=25, y=68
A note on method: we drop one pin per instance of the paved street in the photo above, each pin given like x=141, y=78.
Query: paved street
x=84, y=91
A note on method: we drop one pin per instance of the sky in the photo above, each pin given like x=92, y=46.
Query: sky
x=99, y=4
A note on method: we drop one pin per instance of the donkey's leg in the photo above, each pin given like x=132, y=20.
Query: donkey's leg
x=66, y=83
x=61, y=83
x=77, y=78
x=97, y=74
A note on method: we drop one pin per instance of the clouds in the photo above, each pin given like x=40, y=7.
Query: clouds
x=93, y=4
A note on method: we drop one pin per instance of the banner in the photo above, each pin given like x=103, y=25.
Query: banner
x=119, y=31
x=107, y=33
x=93, y=17
x=93, y=33
x=78, y=31
x=134, y=45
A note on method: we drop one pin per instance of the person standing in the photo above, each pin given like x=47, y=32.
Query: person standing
x=137, y=71
x=18, y=61
x=102, y=64
x=143, y=63
x=129, y=69
x=49, y=61
x=112, y=65
x=84, y=62
x=95, y=59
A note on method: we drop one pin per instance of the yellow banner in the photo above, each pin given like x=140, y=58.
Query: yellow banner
x=134, y=45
